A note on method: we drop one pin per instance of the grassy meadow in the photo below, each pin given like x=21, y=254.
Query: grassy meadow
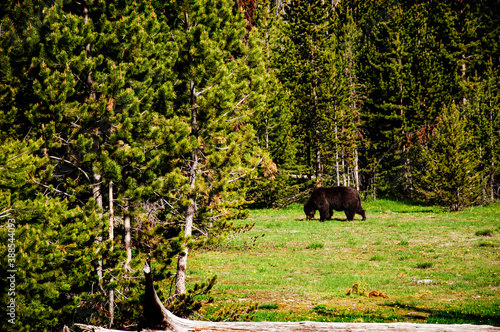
x=418, y=263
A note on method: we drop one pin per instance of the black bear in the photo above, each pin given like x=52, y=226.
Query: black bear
x=335, y=198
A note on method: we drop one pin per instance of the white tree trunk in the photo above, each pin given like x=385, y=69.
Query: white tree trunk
x=111, y=215
x=128, y=240
x=356, y=170
x=96, y=193
x=184, y=325
x=111, y=238
x=180, y=281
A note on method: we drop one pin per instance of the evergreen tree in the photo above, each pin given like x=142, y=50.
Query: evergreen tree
x=413, y=60
x=219, y=82
x=97, y=85
x=344, y=94
x=272, y=122
x=318, y=68
x=450, y=173
x=48, y=249
x=307, y=33
x=387, y=61
x=482, y=105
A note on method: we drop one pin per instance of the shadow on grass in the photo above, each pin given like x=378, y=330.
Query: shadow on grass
x=403, y=207
x=413, y=312
x=457, y=317
x=317, y=219
x=451, y=316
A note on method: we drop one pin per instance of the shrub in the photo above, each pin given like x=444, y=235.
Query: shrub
x=270, y=306
x=483, y=243
x=425, y=265
x=484, y=232
x=377, y=257
x=315, y=245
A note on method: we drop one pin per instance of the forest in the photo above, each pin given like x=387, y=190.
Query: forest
x=134, y=130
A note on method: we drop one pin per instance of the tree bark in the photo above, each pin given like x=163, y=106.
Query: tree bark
x=180, y=281
x=337, y=170
x=184, y=325
x=356, y=170
x=111, y=239
x=128, y=239
x=96, y=193
x=111, y=215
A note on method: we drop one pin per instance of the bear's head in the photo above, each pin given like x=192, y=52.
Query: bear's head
x=309, y=210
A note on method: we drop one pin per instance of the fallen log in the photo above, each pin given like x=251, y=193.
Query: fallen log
x=184, y=325
x=157, y=318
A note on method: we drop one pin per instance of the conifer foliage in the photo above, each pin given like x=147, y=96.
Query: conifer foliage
x=133, y=129
x=317, y=67
x=218, y=88
x=450, y=172
x=96, y=80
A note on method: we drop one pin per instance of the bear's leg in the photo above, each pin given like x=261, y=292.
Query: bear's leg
x=324, y=212
x=323, y=215
x=349, y=214
x=323, y=207
x=362, y=213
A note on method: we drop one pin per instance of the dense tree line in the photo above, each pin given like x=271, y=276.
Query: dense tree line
x=141, y=128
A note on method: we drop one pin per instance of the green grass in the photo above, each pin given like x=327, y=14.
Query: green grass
x=425, y=265
x=431, y=265
x=484, y=232
x=271, y=306
x=315, y=245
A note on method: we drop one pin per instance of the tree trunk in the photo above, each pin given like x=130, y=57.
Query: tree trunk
x=356, y=170
x=180, y=281
x=96, y=193
x=344, y=181
x=128, y=239
x=319, y=165
x=97, y=190
x=156, y=316
x=184, y=325
x=337, y=171
x=111, y=239
x=492, y=182
x=111, y=215
x=492, y=165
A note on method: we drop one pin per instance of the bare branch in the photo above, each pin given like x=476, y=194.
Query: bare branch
x=242, y=176
x=70, y=163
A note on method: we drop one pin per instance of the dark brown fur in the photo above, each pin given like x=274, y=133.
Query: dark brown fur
x=340, y=198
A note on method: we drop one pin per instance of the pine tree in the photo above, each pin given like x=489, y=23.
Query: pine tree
x=272, y=122
x=482, y=105
x=51, y=243
x=450, y=173
x=307, y=33
x=97, y=91
x=219, y=82
x=344, y=95
x=318, y=68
